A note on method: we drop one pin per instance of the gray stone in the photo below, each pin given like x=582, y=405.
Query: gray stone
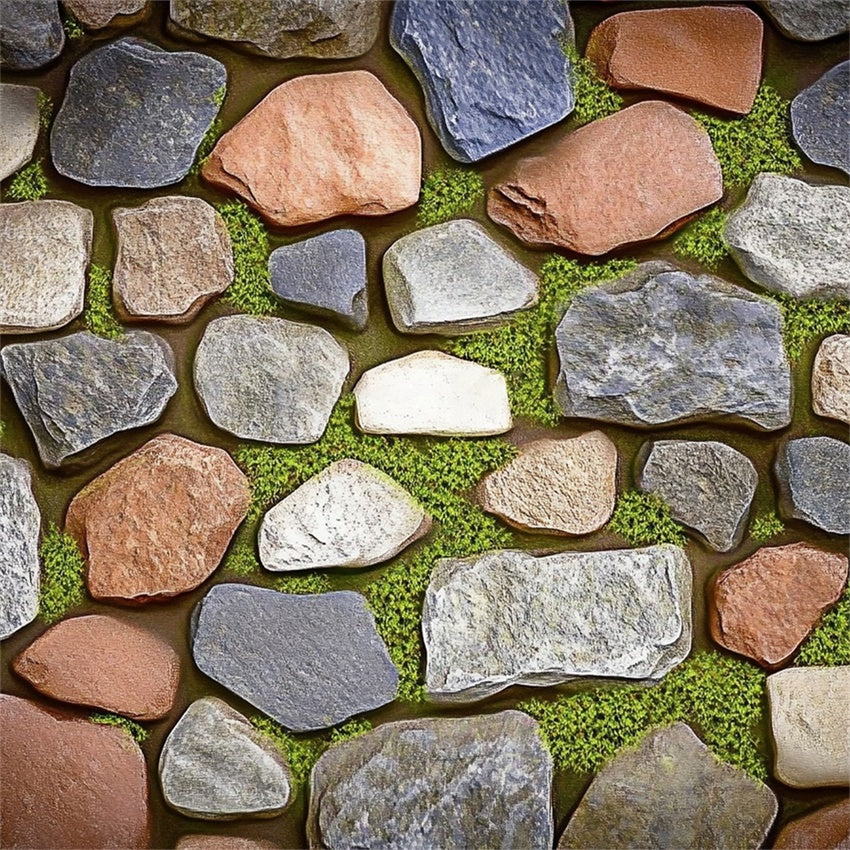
x=820, y=118
x=809, y=20
x=77, y=390
x=96, y=14
x=309, y=662
x=31, y=34
x=452, y=783
x=269, y=379
x=19, y=128
x=660, y=346
x=670, y=792
x=507, y=617
x=453, y=278
x=134, y=115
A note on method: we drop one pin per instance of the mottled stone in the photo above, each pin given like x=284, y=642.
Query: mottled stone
x=31, y=35
x=827, y=828
x=222, y=842
x=19, y=129
x=97, y=14
x=812, y=20
x=820, y=118
x=831, y=378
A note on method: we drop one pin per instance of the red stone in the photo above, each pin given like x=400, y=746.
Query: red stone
x=824, y=829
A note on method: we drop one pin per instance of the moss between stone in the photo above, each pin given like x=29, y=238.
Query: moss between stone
x=72, y=26
x=806, y=321
x=594, y=98
x=29, y=184
x=99, y=316
x=63, y=567
x=448, y=194
x=303, y=584
x=643, y=519
x=766, y=526
x=212, y=134
x=829, y=644
x=702, y=240
x=138, y=733
x=45, y=110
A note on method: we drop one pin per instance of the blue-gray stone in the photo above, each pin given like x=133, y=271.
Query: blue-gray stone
x=809, y=20
x=493, y=73
x=820, y=119
x=31, y=33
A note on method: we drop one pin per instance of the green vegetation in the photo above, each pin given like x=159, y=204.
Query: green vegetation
x=211, y=136
x=29, y=184
x=99, y=316
x=448, y=194
x=807, y=321
x=72, y=27
x=2, y=429
x=62, y=586
x=136, y=732
x=766, y=526
x=829, y=644
x=304, y=583
x=643, y=519
x=45, y=110
x=594, y=98
x=702, y=240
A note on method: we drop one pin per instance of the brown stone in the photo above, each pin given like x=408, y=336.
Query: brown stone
x=765, y=606
x=827, y=828
x=633, y=176
x=320, y=146
x=67, y=783
x=159, y=521
x=96, y=14
x=222, y=842
x=96, y=660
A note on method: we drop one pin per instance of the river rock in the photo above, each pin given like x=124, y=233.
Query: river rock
x=158, y=522
x=813, y=20
x=32, y=34
x=222, y=842
x=453, y=278
x=831, y=378
x=447, y=782
x=269, y=379
x=820, y=118
x=827, y=828
x=349, y=515
x=97, y=14
x=19, y=130
x=308, y=661
x=320, y=146
x=163, y=102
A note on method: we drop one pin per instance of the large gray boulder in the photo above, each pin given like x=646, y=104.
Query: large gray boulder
x=19, y=128
x=31, y=34
x=810, y=20
x=820, y=118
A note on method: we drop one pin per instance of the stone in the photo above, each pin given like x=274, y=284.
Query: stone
x=320, y=146
x=32, y=34
x=660, y=346
x=215, y=765
x=269, y=379
x=145, y=124
x=46, y=247
x=67, y=782
x=808, y=720
x=348, y=515
x=97, y=14
x=814, y=20
x=556, y=486
x=95, y=661
x=765, y=607
x=453, y=278
x=448, y=782
x=671, y=792
x=174, y=255
x=510, y=618
x=638, y=174
x=831, y=378
x=308, y=661
x=158, y=522
x=222, y=842
x=325, y=274
x=793, y=238
x=492, y=73
x=709, y=487
x=820, y=118
x=19, y=130
x=827, y=828
x=430, y=392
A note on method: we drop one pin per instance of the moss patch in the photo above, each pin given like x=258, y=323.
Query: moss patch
x=72, y=26
x=702, y=240
x=447, y=194
x=594, y=98
x=45, y=110
x=136, y=732
x=829, y=644
x=643, y=519
x=304, y=583
x=29, y=184
x=63, y=567
x=211, y=136
x=766, y=526
x=99, y=316
x=807, y=321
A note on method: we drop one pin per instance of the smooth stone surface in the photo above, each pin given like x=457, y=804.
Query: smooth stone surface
x=97, y=14
x=827, y=828
x=831, y=378
x=19, y=128
x=659, y=347
x=507, y=617
x=222, y=842
x=812, y=20
x=453, y=278
x=349, y=515
x=32, y=34
x=309, y=662
x=820, y=118
x=450, y=782
x=161, y=103
x=269, y=379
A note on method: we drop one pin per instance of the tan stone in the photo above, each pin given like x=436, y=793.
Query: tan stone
x=96, y=14
x=827, y=828
x=831, y=378
x=222, y=842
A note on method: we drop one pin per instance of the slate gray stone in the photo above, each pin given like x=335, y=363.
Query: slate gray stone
x=77, y=390
x=493, y=73
x=820, y=118
x=31, y=34
x=452, y=783
x=134, y=115
x=809, y=20
x=19, y=127
x=309, y=661
x=660, y=346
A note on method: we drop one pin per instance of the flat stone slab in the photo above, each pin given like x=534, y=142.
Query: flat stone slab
x=827, y=827
x=222, y=842
x=814, y=20
x=831, y=378
x=509, y=618
x=97, y=14
x=448, y=782
x=32, y=34
x=820, y=118
x=19, y=130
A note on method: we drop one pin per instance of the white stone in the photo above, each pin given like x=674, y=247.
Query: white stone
x=18, y=127
x=831, y=378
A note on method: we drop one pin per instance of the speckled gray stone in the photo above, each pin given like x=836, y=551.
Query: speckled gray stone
x=31, y=34
x=820, y=118
x=19, y=127
x=809, y=20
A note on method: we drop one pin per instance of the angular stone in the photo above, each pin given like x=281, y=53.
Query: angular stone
x=349, y=515
x=453, y=278
x=309, y=661
x=134, y=115
x=636, y=175
x=222, y=842
x=820, y=118
x=19, y=130
x=320, y=146
x=659, y=346
x=507, y=618
x=671, y=792
x=813, y=20
x=269, y=379
x=32, y=34
x=448, y=782
x=95, y=661
x=831, y=378
x=827, y=828
x=158, y=522
x=96, y=14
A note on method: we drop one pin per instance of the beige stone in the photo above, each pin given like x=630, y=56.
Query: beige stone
x=831, y=378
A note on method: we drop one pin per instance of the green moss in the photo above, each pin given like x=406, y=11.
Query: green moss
x=45, y=110
x=829, y=644
x=72, y=27
x=303, y=583
x=2, y=429
x=808, y=321
x=29, y=184
x=241, y=558
x=643, y=519
x=702, y=240
x=136, y=732
x=99, y=316
x=62, y=586
x=594, y=98
x=766, y=526
x=211, y=136
x=448, y=194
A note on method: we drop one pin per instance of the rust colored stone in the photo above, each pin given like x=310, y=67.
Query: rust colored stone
x=222, y=842
x=827, y=828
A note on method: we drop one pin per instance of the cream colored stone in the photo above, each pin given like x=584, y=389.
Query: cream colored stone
x=831, y=378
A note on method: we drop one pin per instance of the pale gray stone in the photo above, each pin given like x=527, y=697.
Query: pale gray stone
x=31, y=34
x=831, y=378
x=19, y=127
x=96, y=14
x=810, y=20
x=820, y=119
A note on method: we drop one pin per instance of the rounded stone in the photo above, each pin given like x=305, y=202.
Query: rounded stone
x=831, y=378
x=812, y=20
x=827, y=828
x=820, y=118
x=19, y=130
x=222, y=842
x=32, y=34
x=97, y=14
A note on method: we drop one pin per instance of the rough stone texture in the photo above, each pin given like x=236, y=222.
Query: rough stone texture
x=309, y=661
x=349, y=515
x=793, y=238
x=214, y=765
x=507, y=617
x=453, y=278
x=813, y=20
x=96, y=14
x=808, y=719
x=660, y=346
x=831, y=378
x=320, y=146
x=174, y=255
x=31, y=35
x=765, y=606
x=158, y=522
x=827, y=828
x=145, y=122
x=557, y=486
x=671, y=792
x=66, y=782
x=633, y=176
x=46, y=247
x=269, y=379
x=96, y=661
x=492, y=73
x=222, y=842
x=451, y=782
x=19, y=130
x=820, y=118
